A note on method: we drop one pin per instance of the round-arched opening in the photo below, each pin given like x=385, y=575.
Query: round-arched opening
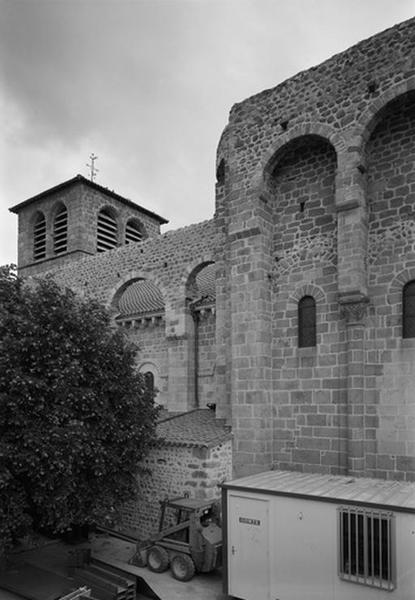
x=39, y=236
x=402, y=102
x=149, y=381
x=294, y=149
x=306, y=322
x=200, y=287
x=220, y=172
x=60, y=230
x=408, y=310
x=153, y=381
x=107, y=230
x=134, y=232
x=390, y=164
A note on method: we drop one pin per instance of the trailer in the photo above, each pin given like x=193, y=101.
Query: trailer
x=290, y=535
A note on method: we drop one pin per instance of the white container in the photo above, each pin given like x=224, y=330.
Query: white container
x=295, y=536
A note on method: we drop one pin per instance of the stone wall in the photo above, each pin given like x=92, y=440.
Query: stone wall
x=150, y=339
x=390, y=363
x=174, y=471
x=315, y=197
x=169, y=261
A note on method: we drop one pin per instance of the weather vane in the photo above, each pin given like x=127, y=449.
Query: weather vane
x=92, y=168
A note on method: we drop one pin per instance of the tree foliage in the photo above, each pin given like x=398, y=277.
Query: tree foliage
x=75, y=416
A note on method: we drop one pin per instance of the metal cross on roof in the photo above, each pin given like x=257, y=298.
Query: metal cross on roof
x=92, y=168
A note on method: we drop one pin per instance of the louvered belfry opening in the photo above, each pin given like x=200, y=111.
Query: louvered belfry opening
x=106, y=231
x=408, y=310
x=60, y=231
x=133, y=232
x=39, y=237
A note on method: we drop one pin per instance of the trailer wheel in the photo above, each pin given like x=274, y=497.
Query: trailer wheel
x=157, y=559
x=182, y=567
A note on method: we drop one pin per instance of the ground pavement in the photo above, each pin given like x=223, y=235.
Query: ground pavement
x=56, y=556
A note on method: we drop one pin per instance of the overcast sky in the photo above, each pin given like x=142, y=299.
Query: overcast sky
x=147, y=86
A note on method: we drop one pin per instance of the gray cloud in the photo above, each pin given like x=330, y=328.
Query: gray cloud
x=147, y=85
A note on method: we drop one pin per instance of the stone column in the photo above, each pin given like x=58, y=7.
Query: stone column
x=352, y=231
x=224, y=198
x=352, y=228
x=181, y=362
x=250, y=245
x=222, y=337
x=353, y=308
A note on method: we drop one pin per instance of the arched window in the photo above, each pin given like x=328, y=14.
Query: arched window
x=133, y=232
x=149, y=381
x=107, y=234
x=408, y=310
x=60, y=230
x=306, y=322
x=220, y=173
x=39, y=237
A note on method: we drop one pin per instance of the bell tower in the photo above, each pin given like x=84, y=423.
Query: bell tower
x=76, y=219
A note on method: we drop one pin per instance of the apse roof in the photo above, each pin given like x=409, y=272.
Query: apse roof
x=205, y=283
x=142, y=297
x=198, y=427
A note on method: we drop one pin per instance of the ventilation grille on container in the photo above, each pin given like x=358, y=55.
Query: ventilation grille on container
x=366, y=549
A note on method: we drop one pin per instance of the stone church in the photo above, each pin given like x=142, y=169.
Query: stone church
x=280, y=334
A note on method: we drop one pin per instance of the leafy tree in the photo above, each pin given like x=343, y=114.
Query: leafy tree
x=75, y=416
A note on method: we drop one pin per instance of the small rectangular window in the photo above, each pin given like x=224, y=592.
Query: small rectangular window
x=365, y=547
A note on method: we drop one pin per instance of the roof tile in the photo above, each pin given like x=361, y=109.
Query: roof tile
x=198, y=427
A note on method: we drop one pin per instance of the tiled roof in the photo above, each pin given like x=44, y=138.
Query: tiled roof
x=198, y=427
x=205, y=283
x=144, y=296
x=141, y=297
x=95, y=186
